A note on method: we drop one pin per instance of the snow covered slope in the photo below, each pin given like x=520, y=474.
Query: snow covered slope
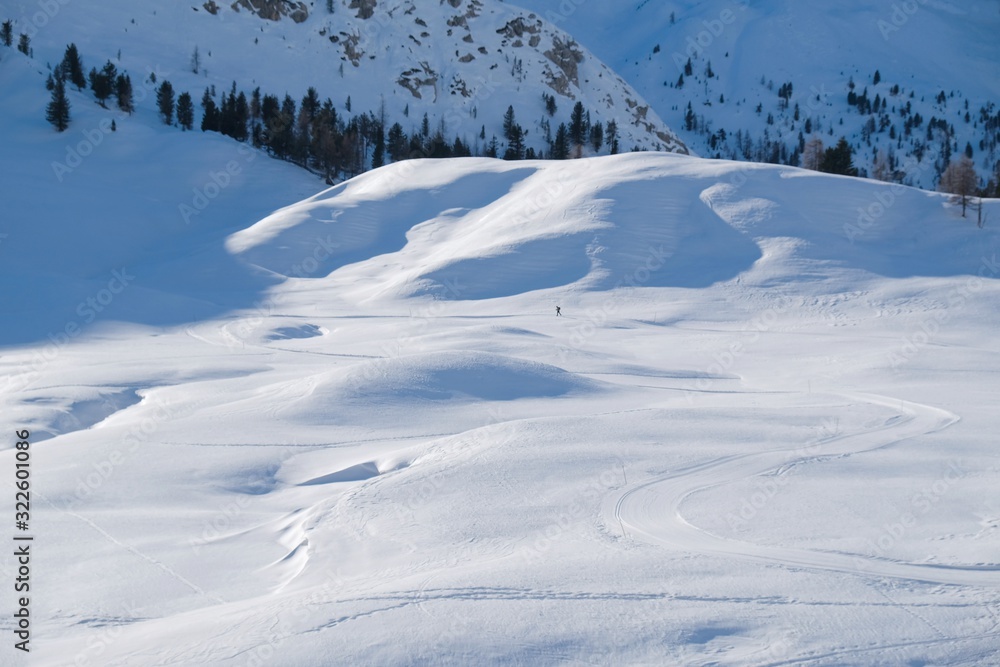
x=146, y=201
x=461, y=62
x=762, y=432
x=754, y=48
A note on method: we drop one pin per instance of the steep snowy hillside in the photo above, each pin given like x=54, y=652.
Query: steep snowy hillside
x=461, y=62
x=755, y=49
x=762, y=432
x=86, y=205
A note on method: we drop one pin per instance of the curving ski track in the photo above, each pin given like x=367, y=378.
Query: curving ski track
x=651, y=510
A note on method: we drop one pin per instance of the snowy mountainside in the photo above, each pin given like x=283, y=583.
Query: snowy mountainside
x=461, y=62
x=754, y=48
x=142, y=194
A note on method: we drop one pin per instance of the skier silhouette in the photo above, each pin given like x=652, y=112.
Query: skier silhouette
x=558, y=311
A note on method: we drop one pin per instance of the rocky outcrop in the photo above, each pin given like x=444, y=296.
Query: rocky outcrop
x=273, y=10
x=416, y=78
x=566, y=56
x=518, y=28
x=366, y=8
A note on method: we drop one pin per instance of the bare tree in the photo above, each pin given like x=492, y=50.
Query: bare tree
x=881, y=169
x=960, y=179
x=812, y=154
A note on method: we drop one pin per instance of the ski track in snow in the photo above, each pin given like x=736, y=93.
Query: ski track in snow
x=652, y=509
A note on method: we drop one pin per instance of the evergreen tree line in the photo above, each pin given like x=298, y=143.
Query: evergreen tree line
x=313, y=133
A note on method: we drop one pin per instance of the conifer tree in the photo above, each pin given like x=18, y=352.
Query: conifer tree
x=210, y=117
x=241, y=117
x=690, y=119
x=123, y=93
x=561, y=144
x=492, y=149
x=72, y=67
x=24, y=44
x=227, y=115
x=515, y=144
x=283, y=129
x=508, y=122
x=577, y=126
x=397, y=144
x=550, y=104
x=57, y=112
x=100, y=85
x=378, y=154
x=165, y=102
x=838, y=160
x=7, y=33
x=185, y=111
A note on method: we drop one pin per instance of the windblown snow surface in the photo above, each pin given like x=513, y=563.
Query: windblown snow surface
x=352, y=431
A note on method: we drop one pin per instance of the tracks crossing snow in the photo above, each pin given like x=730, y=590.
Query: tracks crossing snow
x=652, y=510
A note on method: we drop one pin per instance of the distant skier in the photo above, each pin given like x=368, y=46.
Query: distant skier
x=558, y=311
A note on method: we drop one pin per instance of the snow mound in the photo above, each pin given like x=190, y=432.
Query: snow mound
x=455, y=375
x=354, y=473
x=480, y=229
x=84, y=408
x=474, y=229
x=436, y=378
